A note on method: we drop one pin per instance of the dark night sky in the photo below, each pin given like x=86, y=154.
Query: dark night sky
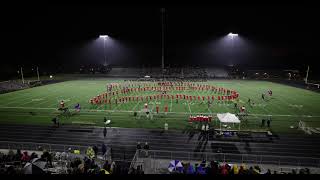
x=66, y=35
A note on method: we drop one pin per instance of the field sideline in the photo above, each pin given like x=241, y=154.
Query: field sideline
x=39, y=105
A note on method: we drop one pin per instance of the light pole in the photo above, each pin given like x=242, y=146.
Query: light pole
x=104, y=37
x=162, y=38
x=232, y=36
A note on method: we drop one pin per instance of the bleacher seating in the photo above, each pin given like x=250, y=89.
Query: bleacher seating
x=170, y=72
x=8, y=86
x=61, y=163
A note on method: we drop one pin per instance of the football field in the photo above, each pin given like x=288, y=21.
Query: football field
x=38, y=105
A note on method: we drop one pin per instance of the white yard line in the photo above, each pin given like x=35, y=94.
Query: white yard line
x=134, y=108
x=187, y=102
x=189, y=108
x=256, y=116
x=29, y=99
x=202, y=100
x=116, y=107
x=264, y=109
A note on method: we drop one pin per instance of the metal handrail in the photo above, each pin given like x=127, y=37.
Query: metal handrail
x=134, y=159
x=243, y=158
x=47, y=146
x=234, y=154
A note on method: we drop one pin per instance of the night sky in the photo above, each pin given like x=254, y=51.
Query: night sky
x=66, y=36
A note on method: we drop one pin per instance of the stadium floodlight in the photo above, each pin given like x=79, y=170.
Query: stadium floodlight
x=232, y=35
x=103, y=36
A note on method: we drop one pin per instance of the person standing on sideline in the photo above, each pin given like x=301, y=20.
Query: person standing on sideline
x=268, y=122
x=263, y=122
x=203, y=130
x=139, y=148
x=54, y=120
x=146, y=148
x=57, y=120
x=207, y=131
x=104, y=132
x=105, y=121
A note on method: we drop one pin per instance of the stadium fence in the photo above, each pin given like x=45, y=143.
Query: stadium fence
x=155, y=158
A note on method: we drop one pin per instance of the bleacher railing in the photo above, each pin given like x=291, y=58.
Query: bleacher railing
x=31, y=146
x=235, y=158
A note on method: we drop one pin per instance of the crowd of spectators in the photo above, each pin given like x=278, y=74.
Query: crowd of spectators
x=216, y=168
x=70, y=162
x=137, y=170
x=13, y=163
x=91, y=166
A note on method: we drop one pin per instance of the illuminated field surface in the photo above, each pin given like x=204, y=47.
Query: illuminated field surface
x=287, y=105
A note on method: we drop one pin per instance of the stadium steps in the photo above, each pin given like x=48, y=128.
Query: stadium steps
x=124, y=142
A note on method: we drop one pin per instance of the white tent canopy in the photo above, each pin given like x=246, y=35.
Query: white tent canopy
x=228, y=118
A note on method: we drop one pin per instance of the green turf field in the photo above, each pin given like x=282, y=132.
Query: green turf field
x=39, y=105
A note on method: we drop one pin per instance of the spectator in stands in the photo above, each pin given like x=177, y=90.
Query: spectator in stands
x=25, y=157
x=11, y=153
x=257, y=169
x=268, y=172
x=46, y=156
x=95, y=149
x=18, y=155
x=33, y=155
x=235, y=169
x=203, y=163
x=214, y=167
x=224, y=170
x=242, y=170
x=90, y=153
x=307, y=170
x=251, y=171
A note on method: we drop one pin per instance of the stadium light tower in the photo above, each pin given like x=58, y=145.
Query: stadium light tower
x=104, y=37
x=162, y=38
x=232, y=36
